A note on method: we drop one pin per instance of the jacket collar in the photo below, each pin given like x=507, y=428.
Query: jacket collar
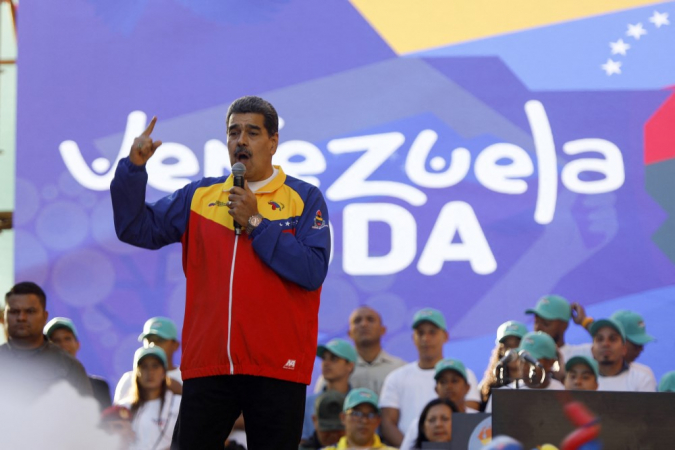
x=272, y=186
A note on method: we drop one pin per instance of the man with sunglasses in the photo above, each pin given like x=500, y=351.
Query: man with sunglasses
x=361, y=417
x=161, y=332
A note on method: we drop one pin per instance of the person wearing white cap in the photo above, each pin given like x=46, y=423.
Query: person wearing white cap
x=408, y=389
x=161, y=332
x=609, y=350
x=153, y=406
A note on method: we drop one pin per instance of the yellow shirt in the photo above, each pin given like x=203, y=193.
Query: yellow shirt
x=342, y=444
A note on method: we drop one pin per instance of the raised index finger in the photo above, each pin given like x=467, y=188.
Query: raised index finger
x=151, y=126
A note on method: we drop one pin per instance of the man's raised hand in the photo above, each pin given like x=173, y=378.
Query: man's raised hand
x=143, y=147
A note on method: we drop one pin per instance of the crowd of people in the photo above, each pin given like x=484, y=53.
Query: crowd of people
x=365, y=397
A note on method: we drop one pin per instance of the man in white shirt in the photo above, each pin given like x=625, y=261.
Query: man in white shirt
x=161, y=332
x=636, y=338
x=373, y=363
x=609, y=350
x=552, y=315
x=541, y=347
x=451, y=383
x=408, y=389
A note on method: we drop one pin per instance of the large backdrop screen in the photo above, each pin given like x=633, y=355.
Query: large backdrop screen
x=474, y=155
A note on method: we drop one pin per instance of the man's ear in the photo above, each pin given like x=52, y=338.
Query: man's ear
x=343, y=418
x=274, y=142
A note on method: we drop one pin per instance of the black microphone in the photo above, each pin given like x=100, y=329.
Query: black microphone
x=510, y=356
x=238, y=171
x=501, y=368
x=527, y=357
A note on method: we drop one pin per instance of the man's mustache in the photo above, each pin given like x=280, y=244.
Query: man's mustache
x=239, y=150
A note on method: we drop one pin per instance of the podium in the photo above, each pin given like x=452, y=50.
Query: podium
x=629, y=420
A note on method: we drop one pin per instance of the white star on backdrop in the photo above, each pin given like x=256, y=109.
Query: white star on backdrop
x=612, y=67
x=635, y=31
x=659, y=19
x=619, y=47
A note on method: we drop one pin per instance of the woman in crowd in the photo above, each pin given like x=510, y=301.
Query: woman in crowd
x=435, y=424
x=153, y=406
x=509, y=335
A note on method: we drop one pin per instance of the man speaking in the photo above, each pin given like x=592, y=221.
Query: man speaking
x=251, y=312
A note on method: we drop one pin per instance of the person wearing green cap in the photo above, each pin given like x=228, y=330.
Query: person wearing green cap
x=509, y=335
x=373, y=363
x=582, y=374
x=61, y=331
x=326, y=419
x=408, y=389
x=452, y=385
x=29, y=362
x=337, y=364
x=552, y=314
x=361, y=417
x=609, y=350
x=153, y=406
x=540, y=347
x=667, y=383
x=636, y=338
x=161, y=332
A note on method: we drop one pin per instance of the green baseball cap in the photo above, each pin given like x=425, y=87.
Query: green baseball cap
x=552, y=307
x=159, y=326
x=539, y=345
x=430, y=315
x=338, y=347
x=510, y=328
x=667, y=383
x=614, y=324
x=153, y=350
x=582, y=359
x=633, y=325
x=450, y=364
x=327, y=408
x=60, y=322
x=360, y=396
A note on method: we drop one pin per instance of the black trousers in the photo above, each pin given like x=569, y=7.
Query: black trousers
x=273, y=412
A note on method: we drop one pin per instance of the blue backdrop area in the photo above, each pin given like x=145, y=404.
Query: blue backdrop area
x=473, y=177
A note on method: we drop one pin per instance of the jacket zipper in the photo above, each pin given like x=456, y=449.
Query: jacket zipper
x=229, y=313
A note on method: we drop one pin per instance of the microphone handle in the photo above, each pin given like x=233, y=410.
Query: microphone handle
x=239, y=182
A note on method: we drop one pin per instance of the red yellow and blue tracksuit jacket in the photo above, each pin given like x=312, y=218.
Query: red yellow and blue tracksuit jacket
x=252, y=302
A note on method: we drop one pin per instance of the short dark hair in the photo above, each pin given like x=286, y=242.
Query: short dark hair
x=28, y=287
x=421, y=437
x=256, y=105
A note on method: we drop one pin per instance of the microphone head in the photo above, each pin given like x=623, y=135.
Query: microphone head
x=238, y=169
x=511, y=355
